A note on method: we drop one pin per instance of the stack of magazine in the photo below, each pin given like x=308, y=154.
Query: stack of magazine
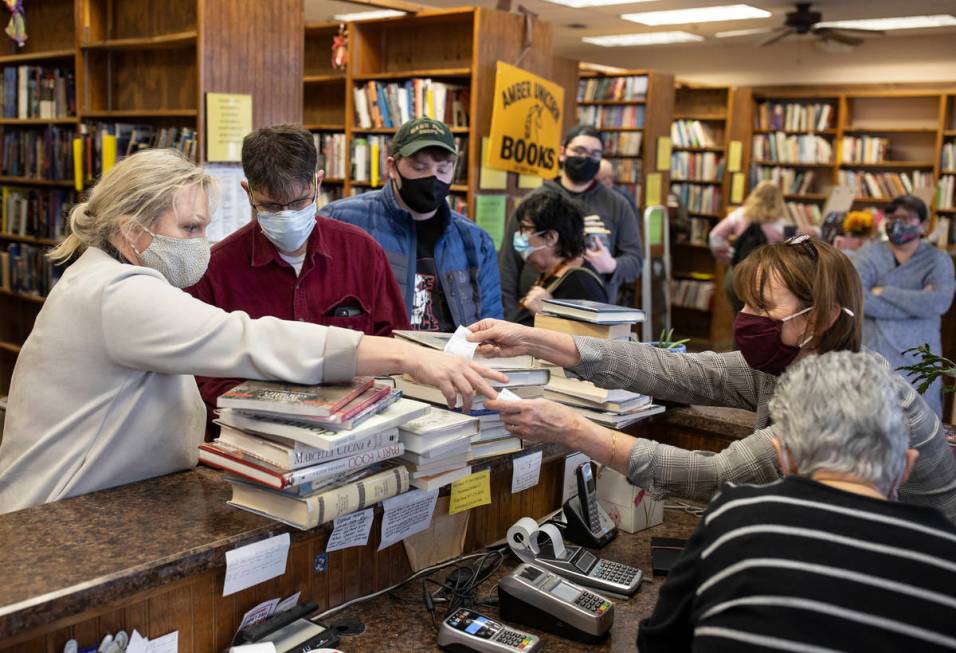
x=305, y=455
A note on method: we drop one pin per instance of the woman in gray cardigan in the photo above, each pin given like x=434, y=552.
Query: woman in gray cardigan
x=801, y=297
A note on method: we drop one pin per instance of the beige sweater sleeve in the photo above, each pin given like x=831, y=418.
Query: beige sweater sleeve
x=151, y=325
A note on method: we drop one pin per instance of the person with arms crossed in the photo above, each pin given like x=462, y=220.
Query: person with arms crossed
x=288, y=262
x=801, y=297
x=908, y=286
x=103, y=392
x=444, y=264
x=619, y=261
x=824, y=559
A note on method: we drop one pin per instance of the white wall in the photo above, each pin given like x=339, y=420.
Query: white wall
x=930, y=58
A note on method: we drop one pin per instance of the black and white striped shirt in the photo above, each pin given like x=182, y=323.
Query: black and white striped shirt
x=800, y=566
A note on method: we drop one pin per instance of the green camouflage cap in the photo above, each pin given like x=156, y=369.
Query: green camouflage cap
x=419, y=133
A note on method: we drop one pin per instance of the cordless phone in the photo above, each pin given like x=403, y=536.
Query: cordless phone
x=541, y=599
x=582, y=566
x=466, y=630
x=587, y=523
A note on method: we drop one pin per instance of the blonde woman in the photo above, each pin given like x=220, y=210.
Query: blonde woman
x=103, y=391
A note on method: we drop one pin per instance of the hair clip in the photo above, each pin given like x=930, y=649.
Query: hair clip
x=849, y=312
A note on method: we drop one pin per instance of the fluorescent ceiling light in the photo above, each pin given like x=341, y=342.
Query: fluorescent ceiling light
x=368, y=15
x=902, y=22
x=742, y=32
x=697, y=15
x=578, y=4
x=645, y=38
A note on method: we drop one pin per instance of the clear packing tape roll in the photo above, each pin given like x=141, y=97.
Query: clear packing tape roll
x=527, y=539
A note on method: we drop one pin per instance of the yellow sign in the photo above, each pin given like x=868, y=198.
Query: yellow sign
x=664, y=153
x=529, y=181
x=489, y=179
x=653, y=195
x=525, y=123
x=228, y=120
x=470, y=492
x=733, y=156
x=737, y=188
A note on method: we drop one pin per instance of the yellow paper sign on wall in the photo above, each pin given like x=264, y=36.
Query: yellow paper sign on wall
x=653, y=195
x=525, y=123
x=733, y=156
x=228, y=120
x=664, y=153
x=737, y=188
x=470, y=492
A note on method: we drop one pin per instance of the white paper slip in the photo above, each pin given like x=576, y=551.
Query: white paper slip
x=265, y=647
x=137, y=643
x=571, y=462
x=526, y=471
x=288, y=603
x=168, y=643
x=351, y=530
x=255, y=563
x=504, y=394
x=406, y=515
x=458, y=345
x=259, y=613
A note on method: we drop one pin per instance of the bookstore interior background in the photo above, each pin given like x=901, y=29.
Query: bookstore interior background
x=626, y=219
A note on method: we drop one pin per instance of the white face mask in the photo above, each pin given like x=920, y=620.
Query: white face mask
x=288, y=230
x=182, y=261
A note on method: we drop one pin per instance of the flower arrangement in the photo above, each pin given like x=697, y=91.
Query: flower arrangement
x=859, y=224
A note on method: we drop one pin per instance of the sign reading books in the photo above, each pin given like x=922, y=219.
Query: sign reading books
x=526, y=123
x=228, y=120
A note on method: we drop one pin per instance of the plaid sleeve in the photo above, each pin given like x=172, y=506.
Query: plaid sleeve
x=663, y=470
x=707, y=378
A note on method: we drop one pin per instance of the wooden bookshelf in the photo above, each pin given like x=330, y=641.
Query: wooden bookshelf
x=323, y=97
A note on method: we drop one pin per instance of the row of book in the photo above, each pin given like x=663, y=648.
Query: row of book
x=705, y=166
x=628, y=171
x=805, y=148
x=793, y=116
x=792, y=181
x=612, y=88
x=629, y=117
x=805, y=214
x=948, y=161
x=693, y=133
x=457, y=202
x=37, y=212
x=100, y=145
x=328, y=194
x=864, y=149
x=700, y=231
x=332, y=149
x=623, y=143
x=692, y=293
x=38, y=92
x=26, y=269
x=946, y=195
x=884, y=184
x=38, y=153
x=390, y=105
x=369, y=154
x=698, y=198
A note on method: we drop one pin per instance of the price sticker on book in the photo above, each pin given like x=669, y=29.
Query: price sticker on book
x=470, y=492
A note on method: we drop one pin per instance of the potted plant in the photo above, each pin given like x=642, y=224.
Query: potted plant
x=929, y=368
x=666, y=341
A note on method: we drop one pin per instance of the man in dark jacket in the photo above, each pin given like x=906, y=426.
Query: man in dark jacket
x=619, y=261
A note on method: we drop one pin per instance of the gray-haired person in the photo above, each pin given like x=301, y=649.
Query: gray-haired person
x=823, y=559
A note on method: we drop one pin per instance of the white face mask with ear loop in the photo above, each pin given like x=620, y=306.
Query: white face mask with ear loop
x=808, y=308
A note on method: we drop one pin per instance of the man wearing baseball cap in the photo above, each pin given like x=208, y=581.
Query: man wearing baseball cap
x=445, y=265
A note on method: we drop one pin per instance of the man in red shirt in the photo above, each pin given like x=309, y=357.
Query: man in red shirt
x=290, y=263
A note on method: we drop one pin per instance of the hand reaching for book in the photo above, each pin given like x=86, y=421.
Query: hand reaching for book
x=453, y=375
x=499, y=339
x=539, y=419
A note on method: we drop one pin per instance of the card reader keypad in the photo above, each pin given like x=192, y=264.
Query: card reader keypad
x=615, y=572
x=513, y=638
x=592, y=602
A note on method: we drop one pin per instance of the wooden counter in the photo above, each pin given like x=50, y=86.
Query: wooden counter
x=151, y=555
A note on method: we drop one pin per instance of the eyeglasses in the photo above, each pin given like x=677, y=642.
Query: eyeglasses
x=806, y=243
x=274, y=207
x=583, y=151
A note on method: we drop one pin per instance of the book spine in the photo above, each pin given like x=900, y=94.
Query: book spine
x=360, y=494
x=344, y=465
x=305, y=455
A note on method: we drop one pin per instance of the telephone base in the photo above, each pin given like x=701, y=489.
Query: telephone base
x=577, y=530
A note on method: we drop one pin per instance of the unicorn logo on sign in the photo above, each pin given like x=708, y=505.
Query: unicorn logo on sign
x=533, y=122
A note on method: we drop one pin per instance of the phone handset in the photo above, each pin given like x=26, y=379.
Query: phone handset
x=587, y=523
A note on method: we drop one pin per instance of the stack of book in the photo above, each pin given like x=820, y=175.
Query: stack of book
x=438, y=447
x=611, y=408
x=524, y=380
x=807, y=148
x=307, y=454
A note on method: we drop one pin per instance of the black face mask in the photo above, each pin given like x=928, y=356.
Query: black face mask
x=423, y=195
x=581, y=169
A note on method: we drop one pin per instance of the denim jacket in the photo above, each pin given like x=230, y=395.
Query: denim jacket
x=464, y=254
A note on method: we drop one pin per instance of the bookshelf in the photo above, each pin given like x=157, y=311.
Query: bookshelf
x=455, y=47
x=146, y=63
x=630, y=124
x=721, y=114
x=323, y=112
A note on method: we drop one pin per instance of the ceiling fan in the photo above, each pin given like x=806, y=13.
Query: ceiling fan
x=806, y=21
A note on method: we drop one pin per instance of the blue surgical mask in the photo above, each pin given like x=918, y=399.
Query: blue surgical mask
x=288, y=230
x=521, y=245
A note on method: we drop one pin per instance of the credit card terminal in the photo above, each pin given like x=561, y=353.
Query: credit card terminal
x=466, y=630
x=536, y=597
x=582, y=566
